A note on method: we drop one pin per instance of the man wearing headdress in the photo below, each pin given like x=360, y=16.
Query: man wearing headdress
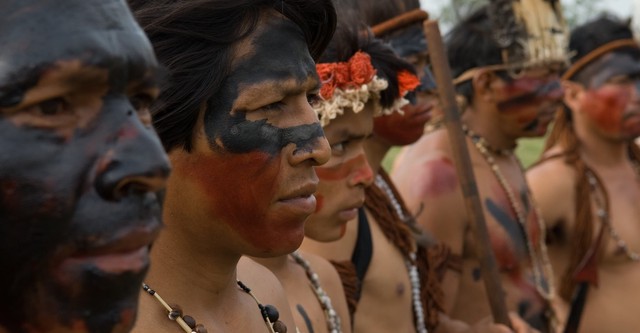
x=508, y=85
x=588, y=182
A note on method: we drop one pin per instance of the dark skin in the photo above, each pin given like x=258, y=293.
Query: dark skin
x=79, y=167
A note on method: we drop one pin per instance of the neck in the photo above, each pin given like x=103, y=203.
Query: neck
x=489, y=129
x=596, y=150
x=183, y=272
x=275, y=264
x=376, y=149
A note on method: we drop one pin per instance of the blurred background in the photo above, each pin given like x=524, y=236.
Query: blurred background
x=576, y=12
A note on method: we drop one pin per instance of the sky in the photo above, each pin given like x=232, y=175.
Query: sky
x=623, y=8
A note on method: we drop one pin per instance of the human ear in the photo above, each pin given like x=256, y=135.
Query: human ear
x=572, y=93
x=482, y=85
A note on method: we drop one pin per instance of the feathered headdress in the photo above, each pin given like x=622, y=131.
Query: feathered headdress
x=531, y=33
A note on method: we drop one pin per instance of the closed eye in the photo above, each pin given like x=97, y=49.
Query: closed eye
x=277, y=106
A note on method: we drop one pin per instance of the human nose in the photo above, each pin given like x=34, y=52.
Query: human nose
x=135, y=163
x=361, y=174
x=314, y=147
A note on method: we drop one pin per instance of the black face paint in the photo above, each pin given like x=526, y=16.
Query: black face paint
x=246, y=136
x=608, y=66
x=67, y=202
x=269, y=61
x=541, y=91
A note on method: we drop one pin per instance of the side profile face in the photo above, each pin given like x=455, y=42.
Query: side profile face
x=526, y=104
x=344, y=178
x=610, y=101
x=406, y=128
x=79, y=165
x=250, y=175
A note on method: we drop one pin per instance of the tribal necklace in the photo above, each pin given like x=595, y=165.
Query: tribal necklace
x=333, y=320
x=269, y=313
x=602, y=210
x=414, y=277
x=540, y=262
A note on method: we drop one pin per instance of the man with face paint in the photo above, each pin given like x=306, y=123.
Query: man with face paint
x=506, y=92
x=591, y=167
x=79, y=167
x=243, y=139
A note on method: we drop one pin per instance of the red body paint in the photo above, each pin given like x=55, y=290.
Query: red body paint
x=403, y=129
x=439, y=177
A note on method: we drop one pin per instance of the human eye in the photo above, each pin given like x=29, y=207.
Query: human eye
x=339, y=148
x=314, y=99
x=50, y=108
x=142, y=104
x=276, y=106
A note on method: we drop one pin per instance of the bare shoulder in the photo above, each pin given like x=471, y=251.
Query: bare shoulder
x=152, y=317
x=266, y=287
x=553, y=181
x=325, y=270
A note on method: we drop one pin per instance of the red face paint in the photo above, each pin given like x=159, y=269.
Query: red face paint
x=356, y=169
x=242, y=190
x=439, y=178
x=606, y=107
x=319, y=202
x=403, y=129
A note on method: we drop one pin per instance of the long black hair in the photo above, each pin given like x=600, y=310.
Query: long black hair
x=194, y=40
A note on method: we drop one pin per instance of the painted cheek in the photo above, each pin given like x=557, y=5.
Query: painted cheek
x=340, y=171
x=363, y=174
x=400, y=129
x=606, y=106
x=319, y=202
x=239, y=190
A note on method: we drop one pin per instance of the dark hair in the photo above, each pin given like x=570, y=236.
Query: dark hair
x=194, y=40
x=350, y=38
x=471, y=44
x=593, y=34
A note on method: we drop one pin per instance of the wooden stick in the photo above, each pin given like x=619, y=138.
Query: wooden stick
x=399, y=22
x=488, y=266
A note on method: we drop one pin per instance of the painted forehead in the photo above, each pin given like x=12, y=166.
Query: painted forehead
x=37, y=35
x=611, y=65
x=276, y=53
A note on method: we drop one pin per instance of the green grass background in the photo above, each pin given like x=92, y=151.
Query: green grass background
x=528, y=151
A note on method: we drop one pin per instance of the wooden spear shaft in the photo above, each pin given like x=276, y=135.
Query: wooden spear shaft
x=444, y=81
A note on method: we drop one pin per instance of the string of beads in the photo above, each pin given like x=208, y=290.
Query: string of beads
x=333, y=320
x=540, y=263
x=188, y=324
x=414, y=277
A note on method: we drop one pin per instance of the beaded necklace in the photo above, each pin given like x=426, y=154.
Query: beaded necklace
x=188, y=324
x=414, y=277
x=539, y=262
x=333, y=320
x=602, y=210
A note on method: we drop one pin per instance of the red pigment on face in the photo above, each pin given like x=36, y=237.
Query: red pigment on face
x=241, y=191
x=319, y=201
x=356, y=168
x=403, y=129
x=606, y=106
x=439, y=177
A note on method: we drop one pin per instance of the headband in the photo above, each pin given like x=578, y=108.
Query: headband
x=598, y=52
x=352, y=84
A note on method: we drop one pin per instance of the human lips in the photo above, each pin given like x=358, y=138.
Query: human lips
x=351, y=211
x=126, y=251
x=302, y=199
